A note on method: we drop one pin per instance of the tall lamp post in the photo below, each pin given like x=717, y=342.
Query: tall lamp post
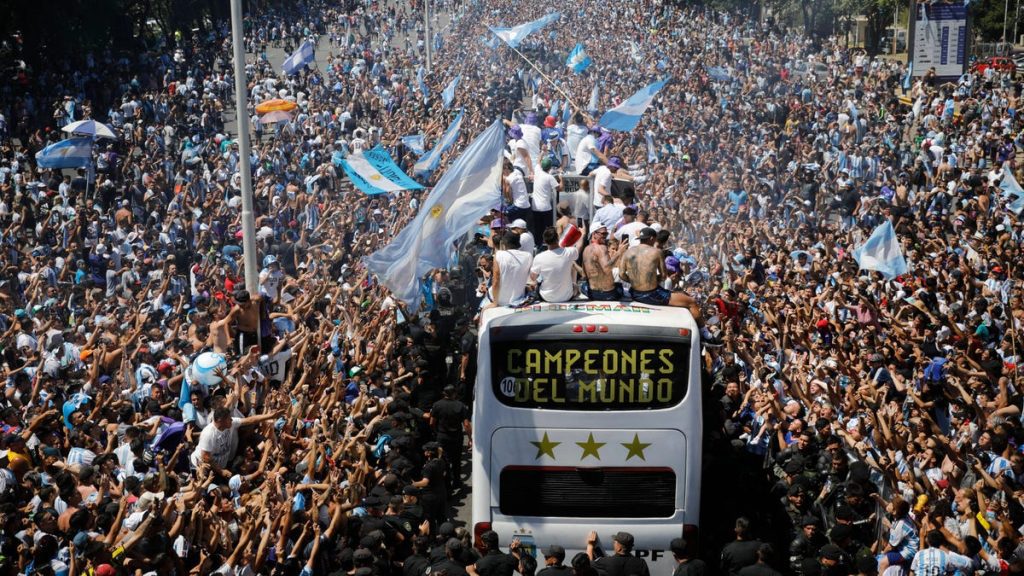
x=244, y=152
x=426, y=29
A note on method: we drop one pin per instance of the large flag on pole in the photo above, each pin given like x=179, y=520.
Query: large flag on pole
x=626, y=116
x=429, y=162
x=578, y=59
x=448, y=96
x=304, y=55
x=466, y=192
x=515, y=35
x=882, y=252
x=374, y=172
x=70, y=153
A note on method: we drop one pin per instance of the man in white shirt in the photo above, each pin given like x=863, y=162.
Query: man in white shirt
x=609, y=214
x=631, y=227
x=587, y=156
x=553, y=269
x=526, y=241
x=516, y=193
x=574, y=134
x=521, y=159
x=219, y=439
x=532, y=136
x=603, y=185
x=545, y=190
x=511, y=270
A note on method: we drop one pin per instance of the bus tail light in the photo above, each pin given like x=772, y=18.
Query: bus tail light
x=602, y=329
x=691, y=534
x=684, y=332
x=577, y=328
x=478, y=530
x=591, y=328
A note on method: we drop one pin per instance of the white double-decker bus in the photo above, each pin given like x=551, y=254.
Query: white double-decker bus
x=587, y=416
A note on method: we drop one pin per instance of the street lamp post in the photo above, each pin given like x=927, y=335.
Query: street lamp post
x=244, y=152
x=426, y=29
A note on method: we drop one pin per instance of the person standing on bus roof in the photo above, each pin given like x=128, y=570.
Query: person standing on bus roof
x=553, y=269
x=643, y=267
x=623, y=562
x=494, y=562
x=449, y=418
x=510, y=271
x=598, y=263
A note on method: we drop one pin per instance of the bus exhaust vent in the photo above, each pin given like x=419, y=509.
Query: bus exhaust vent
x=587, y=492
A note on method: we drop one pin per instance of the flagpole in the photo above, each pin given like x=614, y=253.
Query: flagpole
x=244, y=153
x=426, y=29
x=545, y=76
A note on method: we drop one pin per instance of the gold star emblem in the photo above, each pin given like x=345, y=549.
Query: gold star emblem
x=436, y=211
x=590, y=447
x=545, y=446
x=636, y=447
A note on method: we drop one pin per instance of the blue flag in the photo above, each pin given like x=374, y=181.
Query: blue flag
x=566, y=113
x=578, y=59
x=70, y=153
x=414, y=143
x=626, y=116
x=554, y=108
x=592, y=106
x=652, y=150
x=304, y=55
x=448, y=96
x=422, y=85
x=515, y=35
x=718, y=74
x=465, y=193
x=429, y=162
x=907, y=80
x=374, y=172
x=882, y=253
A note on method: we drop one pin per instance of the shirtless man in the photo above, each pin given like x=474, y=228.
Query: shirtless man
x=598, y=262
x=246, y=315
x=643, y=266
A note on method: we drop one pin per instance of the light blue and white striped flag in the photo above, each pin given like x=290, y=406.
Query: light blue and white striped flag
x=70, y=153
x=429, y=162
x=422, y=85
x=466, y=192
x=592, y=106
x=626, y=116
x=414, y=143
x=374, y=172
x=908, y=79
x=566, y=113
x=304, y=55
x=555, y=105
x=882, y=252
x=578, y=59
x=515, y=35
x=448, y=96
x=652, y=150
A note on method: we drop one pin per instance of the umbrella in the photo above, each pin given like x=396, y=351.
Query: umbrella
x=90, y=128
x=275, y=116
x=274, y=105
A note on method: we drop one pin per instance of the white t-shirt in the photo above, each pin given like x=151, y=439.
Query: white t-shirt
x=274, y=367
x=531, y=135
x=573, y=135
x=544, y=189
x=602, y=181
x=221, y=444
x=584, y=152
x=633, y=228
x=517, y=161
x=515, y=271
x=554, y=272
x=517, y=185
x=527, y=243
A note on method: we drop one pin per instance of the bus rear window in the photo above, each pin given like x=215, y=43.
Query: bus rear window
x=590, y=374
x=588, y=493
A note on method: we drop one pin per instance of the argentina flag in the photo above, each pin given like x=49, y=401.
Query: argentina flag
x=448, y=96
x=301, y=57
x=1012, y=190
x=429, y=162
x=515, y=35
x=414, y=143
x=578, y=59
x=70, y=153
x=422, y=85
x=626, y=116
x=882, y=252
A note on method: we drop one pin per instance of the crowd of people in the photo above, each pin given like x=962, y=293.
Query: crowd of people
x=157, y=417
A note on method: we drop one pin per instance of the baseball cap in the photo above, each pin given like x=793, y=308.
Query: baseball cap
x=647, y=234
x=518, y=223
x=624, y=538
x=555, y=551
x=597, y=228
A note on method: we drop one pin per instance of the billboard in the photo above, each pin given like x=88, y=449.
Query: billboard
x=939, y=38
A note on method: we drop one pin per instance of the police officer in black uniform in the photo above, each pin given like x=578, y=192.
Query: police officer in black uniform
x=450, y=566
x=623, y=562
x=554, y=556
x=494, y=562
x=450, y=419
x=432, y=483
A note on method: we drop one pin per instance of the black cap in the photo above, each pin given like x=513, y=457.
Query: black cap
x=624, y=538
x=678, y=546
x=841, y=532
x=555, y=551
x=372, y=502
x=446, y=529
x=449, y=390
x=794, y=466
x=431, y=447
x=489, y=538
x=831, y=552
x=647, y=233
x=411, y=491
x=362, y=554
x=809, y=520
x=454, y=544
